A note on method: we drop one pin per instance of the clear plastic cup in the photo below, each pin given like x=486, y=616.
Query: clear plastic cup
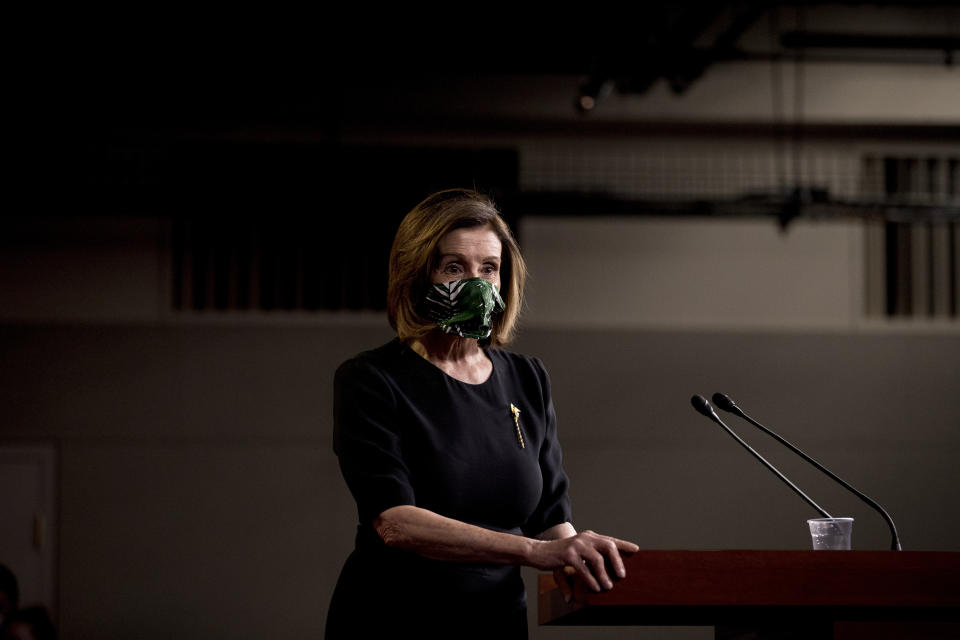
x=831, y=533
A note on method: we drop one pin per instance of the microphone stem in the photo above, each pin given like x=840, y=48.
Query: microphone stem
x=895, y=542
x=771, y=467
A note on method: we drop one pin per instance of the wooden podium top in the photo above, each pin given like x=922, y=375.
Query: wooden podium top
x=722, y=587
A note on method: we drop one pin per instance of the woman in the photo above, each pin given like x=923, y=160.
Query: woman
x=449, y=444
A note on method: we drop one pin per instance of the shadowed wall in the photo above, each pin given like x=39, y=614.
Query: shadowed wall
x=199, y=495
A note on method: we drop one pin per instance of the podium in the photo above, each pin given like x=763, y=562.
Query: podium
x=774, y=594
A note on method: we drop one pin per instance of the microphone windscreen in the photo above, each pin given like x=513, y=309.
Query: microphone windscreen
x=701, y=405
x=723, y=401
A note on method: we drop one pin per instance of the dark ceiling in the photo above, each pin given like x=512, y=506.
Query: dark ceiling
x=148, y=75
x=218, y=116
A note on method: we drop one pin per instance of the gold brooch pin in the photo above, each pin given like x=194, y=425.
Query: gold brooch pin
x=516, y=421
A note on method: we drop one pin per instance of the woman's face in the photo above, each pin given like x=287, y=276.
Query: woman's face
x=473, y=252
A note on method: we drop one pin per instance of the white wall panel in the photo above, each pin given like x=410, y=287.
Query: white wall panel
x=620, y=272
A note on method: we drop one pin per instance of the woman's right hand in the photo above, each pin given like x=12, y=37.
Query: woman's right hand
x=586, y=553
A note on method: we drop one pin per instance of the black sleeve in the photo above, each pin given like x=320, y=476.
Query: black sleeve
x=367, y=442
x=554, y=506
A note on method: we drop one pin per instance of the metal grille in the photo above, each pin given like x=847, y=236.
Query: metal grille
x=913, y=268
x=672, y=171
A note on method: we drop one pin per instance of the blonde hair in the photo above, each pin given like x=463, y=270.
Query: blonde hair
x=414, y=255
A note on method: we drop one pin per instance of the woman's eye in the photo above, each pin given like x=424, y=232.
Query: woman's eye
x=453, y=267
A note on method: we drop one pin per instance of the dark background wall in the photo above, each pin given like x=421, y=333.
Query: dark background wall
x=199, y=494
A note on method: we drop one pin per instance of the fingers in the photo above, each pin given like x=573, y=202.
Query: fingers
x=583, y=570
x=596, y=562
x=617, y=547
x=600, y=548
x=624, y=546
x=616, y=561
x=585, y=555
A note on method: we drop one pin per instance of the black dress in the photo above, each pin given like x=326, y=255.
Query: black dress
x=406, y=433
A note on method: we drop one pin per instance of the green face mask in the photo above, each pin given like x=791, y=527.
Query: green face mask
x=464, y=307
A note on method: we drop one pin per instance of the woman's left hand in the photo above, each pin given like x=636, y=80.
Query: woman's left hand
x=585, y=554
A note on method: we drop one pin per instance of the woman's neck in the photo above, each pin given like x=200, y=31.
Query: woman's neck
x=460, y=358
x=444, y=347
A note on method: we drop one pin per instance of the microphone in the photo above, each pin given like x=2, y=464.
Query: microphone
x=725, y=403
x=700, y=404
